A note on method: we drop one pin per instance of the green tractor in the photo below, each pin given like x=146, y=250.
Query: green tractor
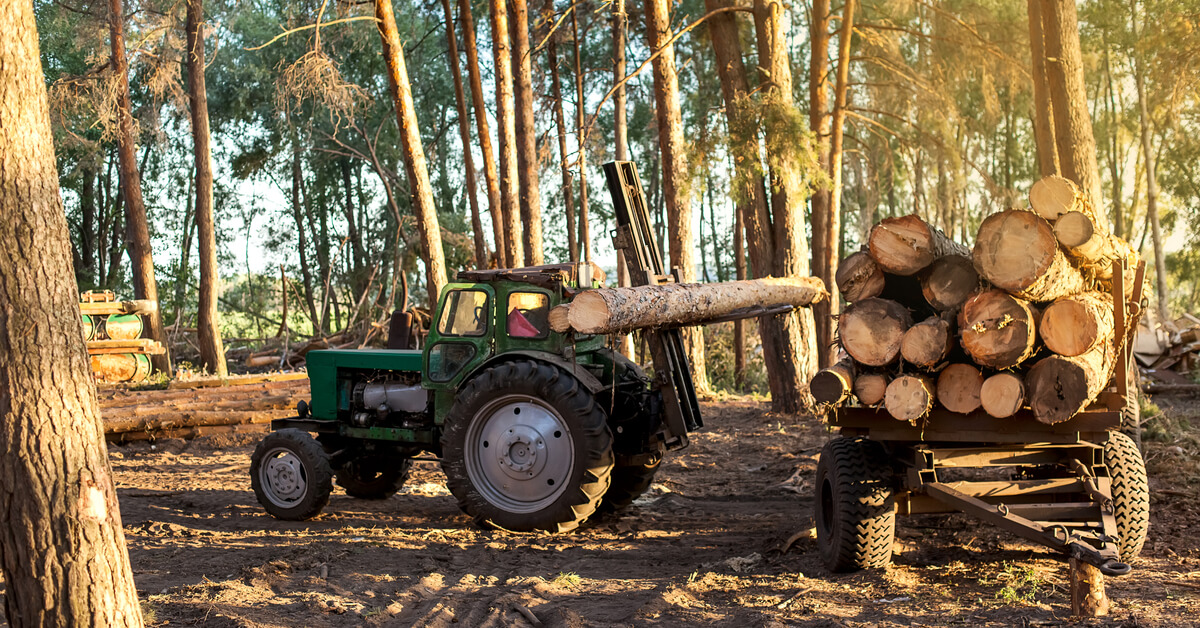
x=535, y=430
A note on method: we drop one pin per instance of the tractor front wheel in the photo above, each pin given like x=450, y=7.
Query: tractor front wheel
x=526, y=447
x=373, y=477
x=290, y=475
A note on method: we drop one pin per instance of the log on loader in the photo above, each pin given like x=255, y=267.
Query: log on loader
x=535, y=429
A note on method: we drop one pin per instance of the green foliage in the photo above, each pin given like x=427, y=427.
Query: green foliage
x=1022, y=585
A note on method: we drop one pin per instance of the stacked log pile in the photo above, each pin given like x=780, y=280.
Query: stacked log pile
x=205, y=407
x=1024, y=319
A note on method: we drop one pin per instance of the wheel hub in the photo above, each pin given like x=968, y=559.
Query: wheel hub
x=283, y=477
x=520, y=455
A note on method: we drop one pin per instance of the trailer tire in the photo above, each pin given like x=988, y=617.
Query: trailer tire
x=630, y=481
x=290, y=475
x=1130, y=494
x=372, y=478
x=855, y=508
x=546, y=470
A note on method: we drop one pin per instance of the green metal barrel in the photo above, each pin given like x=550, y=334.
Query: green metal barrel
x=123, y=327
x=89, y=327
x=121, y=367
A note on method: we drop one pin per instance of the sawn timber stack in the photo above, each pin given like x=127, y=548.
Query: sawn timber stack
x=1036, y=315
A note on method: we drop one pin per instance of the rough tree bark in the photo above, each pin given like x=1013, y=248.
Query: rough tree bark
x=464, y=131
x=1148, y=151
x=560, y=124
x=585, y=237
x=621, y=133
x=208, y=327
x=514, y=251
x=832, y=238
x=414, y=155
x=1043, y=116
x=675, y=171
x=141, y=254
x=62, y=549
x=481, y=128
x=822, y=200
x=526, y=130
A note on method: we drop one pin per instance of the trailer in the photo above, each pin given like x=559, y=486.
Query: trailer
x=1078, y=487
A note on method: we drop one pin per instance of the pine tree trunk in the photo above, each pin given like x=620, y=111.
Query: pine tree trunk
x=208, y=325
x=482, y=130
x=1068, y=94
x=675, y=172
x=464, y=131
x=301, y=237
x=412, y=151
x=64, y=561
x=87, y=236
x=1148, y=150
x=514, y=250
x=141, y=250
x=1043, y=115
x=621, y=131
x=560, y=124
x=526, y=130
x=585, y=236
x=832, y=238
x=823, y=223
x=739, y=327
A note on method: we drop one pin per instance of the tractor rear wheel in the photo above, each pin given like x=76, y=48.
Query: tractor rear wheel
x=855, y=510
x=1130, y=494
x=526, y=447
x=290, y=475
x=373, y=477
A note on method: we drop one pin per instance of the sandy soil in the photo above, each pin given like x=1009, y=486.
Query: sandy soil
x=702, y=548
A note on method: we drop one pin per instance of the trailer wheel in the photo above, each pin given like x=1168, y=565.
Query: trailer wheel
x=372, y=477
x=1130, y=493
x=855, y=510
x=630, y=481
x=290, y=475
x=526, y=447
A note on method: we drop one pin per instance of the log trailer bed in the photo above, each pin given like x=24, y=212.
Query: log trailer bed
x=1078, y=487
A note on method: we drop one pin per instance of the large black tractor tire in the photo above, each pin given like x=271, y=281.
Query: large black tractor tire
x=630, y=481
x=526, y=447
x=855, y=509
x=1130, y=494
x=373, y=477
x=290, y=475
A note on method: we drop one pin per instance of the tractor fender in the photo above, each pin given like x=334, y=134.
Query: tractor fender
x=591, y=382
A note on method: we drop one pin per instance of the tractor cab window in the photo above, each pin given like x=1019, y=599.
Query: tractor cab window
x=464, y=314
x=528, y=315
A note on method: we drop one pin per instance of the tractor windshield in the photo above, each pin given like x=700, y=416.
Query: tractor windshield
x=465, y=314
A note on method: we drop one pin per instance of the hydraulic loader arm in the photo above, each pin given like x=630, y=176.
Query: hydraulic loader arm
x=634, y=239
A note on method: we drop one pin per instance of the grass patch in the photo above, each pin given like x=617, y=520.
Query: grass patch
x=570, y=580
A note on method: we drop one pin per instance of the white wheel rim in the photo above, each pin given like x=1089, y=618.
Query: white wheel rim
x=283, y=478
x=519, y=454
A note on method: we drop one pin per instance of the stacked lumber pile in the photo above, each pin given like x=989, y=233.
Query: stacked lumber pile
x=1170, y=355
x=112, y=330
x=202, y=407
x=1025, y=319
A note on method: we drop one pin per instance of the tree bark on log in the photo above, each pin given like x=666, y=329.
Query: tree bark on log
x=1088, y=598
x=910, y=397
x=872, y=331
x=1092, y=249
x=859, y=277
x=1059, y=387
x=832, y=385
x=927, y=343
x=998, y=330
x=613, y=310
x=870, y=388
x=907, y=244
x=1016, y=251
x=1073, y=325
x=959, y=388
x=949, y=281
x=1002, y=394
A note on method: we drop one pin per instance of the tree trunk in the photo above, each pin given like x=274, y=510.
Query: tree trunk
x=1068, y=94
x=141, y=250
x=928, y=342
x=997, y=329
x=949, y=281
x=585, y=236
x=833, y=384
x=872, y=330
x=612, y=310
x=739, y=327
x=481, y=129
x=1002, y=394
x=871, y=388
x=958, y=388
x=514, y=251
x=907, y=244
x=208, y=324
x=87, y=235
x=464, y=131
x=356, y=255
x=1043, y=115
x=621, y=133
x=1073, y=325
x=675, y=170
x=823, y=222
x=1156, y=237
x=63, y=553
x=526, y=130
x=560, y=124
x=832, y=238
x=1016, y=251
x=859, y=277
x=910, y=397
x=414, y=155
x=301, y=230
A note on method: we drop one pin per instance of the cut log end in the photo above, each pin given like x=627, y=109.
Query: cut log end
x=906, y=244
x=1057, y=389
x=1074, y=325
x=949, y=282
x=560, y=318
x=1002, y=395
x=1074, y=229
x=958, y=388
x=870, y=388
x=859, y=277
x=834, y=384
x=927, y=343
x=1014, y=249
x=872, y=330
x=1088, y=597
x=998, y=330
x=1054, y=196
x=909, y=397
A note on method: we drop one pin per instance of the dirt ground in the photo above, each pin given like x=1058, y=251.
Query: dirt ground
x=702, y=548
